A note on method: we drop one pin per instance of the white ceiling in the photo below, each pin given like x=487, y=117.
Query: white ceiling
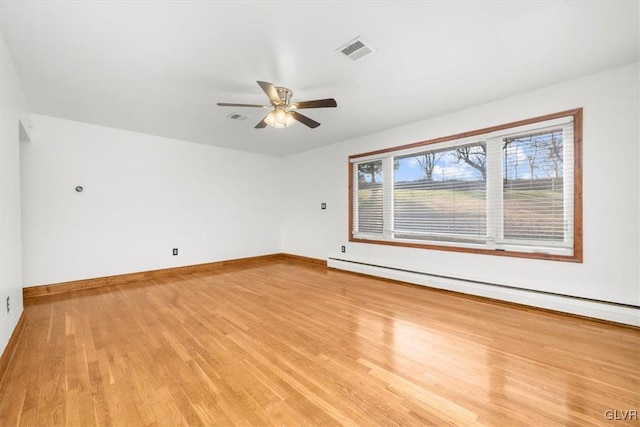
x=160, y=67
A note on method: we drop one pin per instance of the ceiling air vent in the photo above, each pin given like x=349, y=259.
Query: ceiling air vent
x=236, y=116
x=356, y=49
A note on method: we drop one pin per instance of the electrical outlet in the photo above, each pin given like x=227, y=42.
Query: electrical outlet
x=175, y=251
x=8, y=305
x=343, y=249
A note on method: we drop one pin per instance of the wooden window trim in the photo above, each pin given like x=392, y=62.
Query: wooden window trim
x=577, y=256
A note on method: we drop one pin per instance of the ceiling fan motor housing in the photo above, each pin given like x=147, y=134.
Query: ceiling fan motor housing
x=284, y=94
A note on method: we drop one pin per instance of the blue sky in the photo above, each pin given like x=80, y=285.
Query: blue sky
x=445, y=168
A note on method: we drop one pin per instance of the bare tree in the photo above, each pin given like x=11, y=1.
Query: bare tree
x=553, y=153
x=475, y=156
x=550, y=144
x=428, y=162
x=370, y=170
x=532, y=156
x=508, y=152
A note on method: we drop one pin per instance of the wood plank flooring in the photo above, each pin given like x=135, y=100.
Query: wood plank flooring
x=290, y=344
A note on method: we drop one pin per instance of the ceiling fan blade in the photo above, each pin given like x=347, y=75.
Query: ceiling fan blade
x=227, y=104
x=271, y=92
x=262, y=123
x=318, y=103
x=305, y=120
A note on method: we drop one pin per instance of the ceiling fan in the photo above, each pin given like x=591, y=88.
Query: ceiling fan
x=283, y=112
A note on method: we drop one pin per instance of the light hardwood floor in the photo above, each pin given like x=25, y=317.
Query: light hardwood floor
x=288, y=344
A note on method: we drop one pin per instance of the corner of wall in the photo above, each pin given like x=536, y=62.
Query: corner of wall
x=13, y=110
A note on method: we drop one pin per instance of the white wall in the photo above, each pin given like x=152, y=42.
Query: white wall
x=143, y=195
x=610, y=162
x=12, y=107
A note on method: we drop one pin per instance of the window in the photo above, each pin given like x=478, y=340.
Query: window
x=370, y=197
x=507, y=190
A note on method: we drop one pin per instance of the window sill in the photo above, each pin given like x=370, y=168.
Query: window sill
x=576, y=257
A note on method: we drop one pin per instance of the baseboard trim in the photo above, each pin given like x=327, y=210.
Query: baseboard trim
x=619, y=314
x=12, y=345
x=304, y=259
x=76, y=285
x=583, y=308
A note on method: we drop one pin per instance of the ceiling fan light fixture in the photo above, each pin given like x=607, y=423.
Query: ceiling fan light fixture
x=279, y=118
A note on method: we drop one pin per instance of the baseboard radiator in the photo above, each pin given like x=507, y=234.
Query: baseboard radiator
x=611, y=311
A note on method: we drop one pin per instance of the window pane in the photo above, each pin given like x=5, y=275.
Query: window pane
x=370, y=194
x=441, y=195
x=533, y=187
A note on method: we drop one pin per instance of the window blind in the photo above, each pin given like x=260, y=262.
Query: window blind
x=441, y=195
x=368, y=217
x=533, y=199
x=533, y=188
